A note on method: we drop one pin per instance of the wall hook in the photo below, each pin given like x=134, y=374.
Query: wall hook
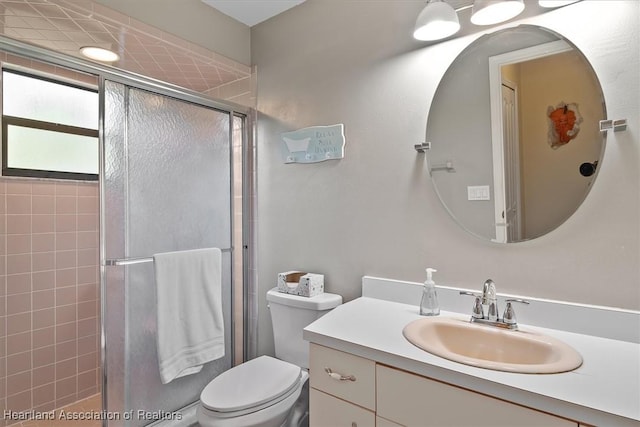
x=615, y=125
x=422, y=147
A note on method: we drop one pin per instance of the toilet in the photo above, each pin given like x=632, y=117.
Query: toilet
x=262, y=392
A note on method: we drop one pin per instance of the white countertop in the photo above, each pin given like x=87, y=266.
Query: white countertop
x=604, y=391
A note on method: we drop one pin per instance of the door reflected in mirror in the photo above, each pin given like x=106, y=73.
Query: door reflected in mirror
x=516, y=115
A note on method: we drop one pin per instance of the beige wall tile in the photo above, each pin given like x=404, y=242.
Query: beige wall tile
x=65, y=387
x=87, y=362
x=44, y=375
x=19, y=224
x=44, y=356
x=87, y=310
x=18, y=343
x=17, y=264
x=65, y=223
x=65, y=296
x=18, y=283
x=66, y=241
x=18, y=323
x=66, y=368
x=87, y=274
x=44, y=337
x=18, y=204
x=18, y=187
x=19, y=402
x=43, y=204
x=18, y=303
x=66, y=350
x=87, y=327
x=18, y=244
x=65, y=314
x=18, y=363
x=87, y=292
x=65, y=277
x=43, y=261
x=43, y=223
x=43, y=280
x=66, y=332
x=66, y=205
x=65, y=259
x=43, y=242
x=19, y=383
x=43, y=318
x=44, y=394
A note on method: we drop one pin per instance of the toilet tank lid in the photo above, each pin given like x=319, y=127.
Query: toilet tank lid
x=324, y=301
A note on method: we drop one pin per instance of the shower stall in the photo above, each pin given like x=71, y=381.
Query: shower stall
x=173, y=176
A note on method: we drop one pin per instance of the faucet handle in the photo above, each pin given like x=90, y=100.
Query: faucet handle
x=509, y=316
x=477, y=311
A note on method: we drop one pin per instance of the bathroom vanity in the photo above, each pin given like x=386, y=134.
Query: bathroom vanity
x=364, y=372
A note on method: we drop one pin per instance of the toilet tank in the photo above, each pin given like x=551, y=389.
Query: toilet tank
x=290, y=314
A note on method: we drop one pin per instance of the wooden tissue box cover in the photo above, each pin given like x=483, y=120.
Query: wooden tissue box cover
x=301, y=283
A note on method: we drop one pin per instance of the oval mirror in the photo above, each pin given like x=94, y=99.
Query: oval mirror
x=514, y=134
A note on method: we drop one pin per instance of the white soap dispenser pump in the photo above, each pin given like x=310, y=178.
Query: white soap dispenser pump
x=429, y=304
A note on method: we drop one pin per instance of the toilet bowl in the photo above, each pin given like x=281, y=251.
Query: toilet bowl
x=258, y=393
x=263, y=392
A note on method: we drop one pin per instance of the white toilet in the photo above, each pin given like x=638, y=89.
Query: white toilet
x=263, y=391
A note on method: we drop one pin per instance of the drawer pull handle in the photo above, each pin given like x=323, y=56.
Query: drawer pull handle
x=339, y=377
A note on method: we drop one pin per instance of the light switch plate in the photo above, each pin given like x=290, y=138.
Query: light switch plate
x=478, y=192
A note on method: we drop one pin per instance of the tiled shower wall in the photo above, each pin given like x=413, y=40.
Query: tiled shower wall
x=49, y=297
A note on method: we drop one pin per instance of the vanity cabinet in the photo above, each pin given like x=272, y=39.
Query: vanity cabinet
x=352, y=391
x=337, y=399
x=413, y=400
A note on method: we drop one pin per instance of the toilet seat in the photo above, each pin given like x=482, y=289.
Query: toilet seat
x=250, y=387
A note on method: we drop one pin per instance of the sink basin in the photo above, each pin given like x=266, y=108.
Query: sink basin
x=491, y=347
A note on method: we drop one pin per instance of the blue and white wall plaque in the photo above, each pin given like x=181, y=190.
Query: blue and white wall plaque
x=314, y=144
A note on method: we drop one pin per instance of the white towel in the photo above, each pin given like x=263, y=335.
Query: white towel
x=190, y=321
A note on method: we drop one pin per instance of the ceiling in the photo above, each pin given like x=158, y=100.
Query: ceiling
x=66, y=25
x=252, y=12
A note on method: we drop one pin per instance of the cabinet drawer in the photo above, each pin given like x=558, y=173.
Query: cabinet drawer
x=359, y=389
x=329, y=411
x=412, y=400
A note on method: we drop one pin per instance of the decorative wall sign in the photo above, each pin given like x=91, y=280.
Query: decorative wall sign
x=564, y=123
x=314, y=144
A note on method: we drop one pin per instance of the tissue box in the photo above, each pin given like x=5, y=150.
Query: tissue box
x=300, y=283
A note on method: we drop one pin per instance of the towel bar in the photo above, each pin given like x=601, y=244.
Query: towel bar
x=131, y=261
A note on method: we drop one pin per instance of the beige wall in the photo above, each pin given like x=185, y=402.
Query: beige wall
x=552, y=183
x=375, y=211
x=194, y=21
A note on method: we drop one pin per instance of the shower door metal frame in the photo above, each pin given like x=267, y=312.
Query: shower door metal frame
x=104, y=72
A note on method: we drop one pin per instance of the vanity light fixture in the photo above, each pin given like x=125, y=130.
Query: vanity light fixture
x=555, y=3
x=489, y=12
x=438, y=20
x=99, y=54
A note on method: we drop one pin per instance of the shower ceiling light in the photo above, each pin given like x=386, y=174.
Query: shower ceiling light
x=488, y=12
x=99, y=54
x=437, y=20
x=555, y=3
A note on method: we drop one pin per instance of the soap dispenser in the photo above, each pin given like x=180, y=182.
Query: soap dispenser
x=429, y=304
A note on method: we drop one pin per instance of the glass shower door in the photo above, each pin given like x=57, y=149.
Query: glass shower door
x=166, y=187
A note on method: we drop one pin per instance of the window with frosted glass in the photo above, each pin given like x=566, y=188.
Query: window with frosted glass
x=49, y=128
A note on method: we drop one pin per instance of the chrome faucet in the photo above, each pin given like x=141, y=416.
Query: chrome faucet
x=489, y=300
